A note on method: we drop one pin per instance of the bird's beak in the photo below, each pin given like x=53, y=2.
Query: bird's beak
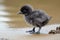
x=50, y=17
x=19, y=12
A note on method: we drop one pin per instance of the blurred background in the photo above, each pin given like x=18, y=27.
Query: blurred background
x=9, y=9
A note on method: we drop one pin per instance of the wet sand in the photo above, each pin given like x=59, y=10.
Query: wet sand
x=12, y=24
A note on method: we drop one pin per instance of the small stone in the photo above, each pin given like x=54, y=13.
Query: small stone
x=52, y=32
x=58, y=31
x=58, y=28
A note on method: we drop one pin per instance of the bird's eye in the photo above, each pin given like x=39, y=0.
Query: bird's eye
x=25, y=10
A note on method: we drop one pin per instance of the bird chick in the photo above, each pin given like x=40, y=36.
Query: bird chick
x=37, y=18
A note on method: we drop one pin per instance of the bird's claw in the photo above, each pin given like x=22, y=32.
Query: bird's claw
x=31, y=32
x=37, y=32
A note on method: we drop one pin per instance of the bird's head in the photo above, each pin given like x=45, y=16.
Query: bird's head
x=26, y=9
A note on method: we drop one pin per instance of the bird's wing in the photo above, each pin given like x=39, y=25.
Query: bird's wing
x=39, y=16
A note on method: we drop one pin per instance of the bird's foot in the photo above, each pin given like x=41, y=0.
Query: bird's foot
x=31, y=31
x=37, y=32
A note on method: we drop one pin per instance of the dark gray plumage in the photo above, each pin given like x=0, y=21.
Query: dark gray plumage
x=37, y=18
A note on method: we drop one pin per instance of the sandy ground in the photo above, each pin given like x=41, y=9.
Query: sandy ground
x=13, y=26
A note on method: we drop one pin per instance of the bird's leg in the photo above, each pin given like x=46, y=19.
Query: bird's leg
x=32, y=31
x=38, y=32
